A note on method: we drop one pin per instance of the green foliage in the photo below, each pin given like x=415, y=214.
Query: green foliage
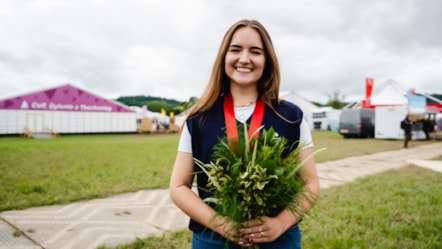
x=178, y=109
x=155, y=104
x=141, y=100
x=437, y=96
x=250, y=183
x=336, y=100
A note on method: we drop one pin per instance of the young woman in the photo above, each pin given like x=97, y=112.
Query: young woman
x=245, y=75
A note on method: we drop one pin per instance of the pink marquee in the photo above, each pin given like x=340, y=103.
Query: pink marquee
x=63, y=98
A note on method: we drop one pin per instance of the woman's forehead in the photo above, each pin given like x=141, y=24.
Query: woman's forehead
x=246, y=36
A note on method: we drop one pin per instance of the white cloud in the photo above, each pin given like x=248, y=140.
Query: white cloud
x=167, y=48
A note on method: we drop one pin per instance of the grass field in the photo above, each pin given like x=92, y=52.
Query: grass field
x=397, y=209
x=36, y=172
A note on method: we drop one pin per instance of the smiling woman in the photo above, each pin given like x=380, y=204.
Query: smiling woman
x=243, y=91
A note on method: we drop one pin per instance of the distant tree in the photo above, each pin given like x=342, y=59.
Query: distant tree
x=317, y=103
x=142, y=100
x=191, y=102
x=156, y=105
x=178, y=109
x=336, y=100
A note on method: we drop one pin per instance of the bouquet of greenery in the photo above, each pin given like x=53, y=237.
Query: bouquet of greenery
x=254, y=179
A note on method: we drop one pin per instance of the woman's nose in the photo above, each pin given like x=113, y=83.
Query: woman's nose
x=244, y=57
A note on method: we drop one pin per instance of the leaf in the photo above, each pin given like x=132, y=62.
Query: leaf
x=212, y=180
x=212, y=200
x=261, y=185
x=259, y=201
x=243, y=176
x=279, y=171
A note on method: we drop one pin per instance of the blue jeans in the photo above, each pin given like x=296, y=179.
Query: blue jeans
x=291, y=239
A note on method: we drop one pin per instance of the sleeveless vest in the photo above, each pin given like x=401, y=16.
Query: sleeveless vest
x=208, y=128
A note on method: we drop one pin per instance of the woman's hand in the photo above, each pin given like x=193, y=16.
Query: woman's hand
x=267, y=229
x=229, y=231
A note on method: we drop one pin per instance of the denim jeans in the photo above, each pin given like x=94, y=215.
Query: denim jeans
x=291, y=239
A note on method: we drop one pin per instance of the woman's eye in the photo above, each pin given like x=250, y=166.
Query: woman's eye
x=256, y=51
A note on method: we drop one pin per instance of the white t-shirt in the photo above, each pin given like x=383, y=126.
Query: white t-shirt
x=242, y=114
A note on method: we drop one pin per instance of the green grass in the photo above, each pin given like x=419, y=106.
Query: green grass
x=338, y=147
x=362, y=214
x=176, y=240
x=35, y=172
x=397, y=209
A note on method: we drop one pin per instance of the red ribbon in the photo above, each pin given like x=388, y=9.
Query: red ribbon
x=231, y=127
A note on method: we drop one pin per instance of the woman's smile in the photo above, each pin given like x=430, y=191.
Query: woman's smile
x=244, y=69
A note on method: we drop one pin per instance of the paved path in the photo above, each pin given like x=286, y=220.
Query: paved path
x=122, y=218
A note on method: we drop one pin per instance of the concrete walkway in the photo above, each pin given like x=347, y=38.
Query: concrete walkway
x=122, y=218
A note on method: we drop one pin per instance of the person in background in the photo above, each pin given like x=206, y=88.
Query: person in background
x=406, y=125
x=429, y=128
x=245, y=74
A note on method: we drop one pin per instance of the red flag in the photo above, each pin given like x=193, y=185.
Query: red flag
x=368, y=87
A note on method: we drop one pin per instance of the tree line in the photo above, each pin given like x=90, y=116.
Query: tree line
x=156, y=104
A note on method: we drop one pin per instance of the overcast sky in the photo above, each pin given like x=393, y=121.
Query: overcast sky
x=166, y=48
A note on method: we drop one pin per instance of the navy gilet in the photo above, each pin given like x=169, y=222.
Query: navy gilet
x=206, y=130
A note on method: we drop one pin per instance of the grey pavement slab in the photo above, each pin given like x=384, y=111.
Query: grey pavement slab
x=429, y=164
x=121, y=219
x=10, y=238
x=89, y=224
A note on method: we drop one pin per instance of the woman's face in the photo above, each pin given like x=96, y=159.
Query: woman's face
x=245, y=58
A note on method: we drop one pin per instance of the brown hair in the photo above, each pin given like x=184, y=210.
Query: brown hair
x=219, y=82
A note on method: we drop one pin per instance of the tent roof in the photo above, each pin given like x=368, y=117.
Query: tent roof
x=63, y=98
x=304, y=104
x=390, y=94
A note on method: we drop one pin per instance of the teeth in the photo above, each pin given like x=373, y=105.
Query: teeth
x=244, y=69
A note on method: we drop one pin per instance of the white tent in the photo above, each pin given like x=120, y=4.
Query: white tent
x=391, y=106
x=64, y=109
x=306, y=106
x=391, y=94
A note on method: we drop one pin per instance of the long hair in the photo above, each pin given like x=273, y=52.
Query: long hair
x=219, y=82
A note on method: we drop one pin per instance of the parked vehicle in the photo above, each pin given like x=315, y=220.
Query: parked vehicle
x=357, y=122
x=326, y=119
